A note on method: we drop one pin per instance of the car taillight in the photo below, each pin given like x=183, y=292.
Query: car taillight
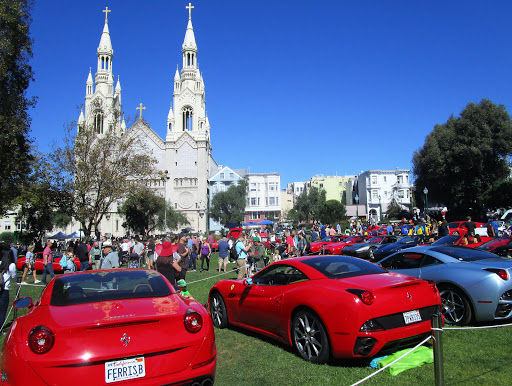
x=432, y=285
x=365, y=295
x=193, y=321
x=41, y=339
x=500, y=272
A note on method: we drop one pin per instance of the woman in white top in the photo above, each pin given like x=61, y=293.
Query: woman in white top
x=8, y=271
x=29, y=264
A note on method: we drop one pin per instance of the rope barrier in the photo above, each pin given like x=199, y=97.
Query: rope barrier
x=389, y=364
x=477, y=327
x=209, y=277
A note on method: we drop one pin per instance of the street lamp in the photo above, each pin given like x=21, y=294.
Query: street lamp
x=380, y=209
x=357, y=210
x=164, y=177
x=425, y=191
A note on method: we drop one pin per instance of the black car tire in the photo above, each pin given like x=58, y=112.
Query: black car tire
x=309, y=337
x=218, y=311
x=456, y=306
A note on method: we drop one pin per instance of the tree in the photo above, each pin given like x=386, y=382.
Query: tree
x=37, y=201
x=332, y=211
x=309, y=204
x=144, y=210
x=229, y=206
x=395, y=209
x=15, y=77
x=93, y=172
x=464, y=159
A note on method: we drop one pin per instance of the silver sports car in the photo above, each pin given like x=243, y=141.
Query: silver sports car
x=474, y=285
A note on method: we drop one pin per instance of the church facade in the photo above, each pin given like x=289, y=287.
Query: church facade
x=184, y=158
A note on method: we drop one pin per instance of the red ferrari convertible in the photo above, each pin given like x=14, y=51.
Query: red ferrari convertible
x=38, y=262
x=337, y=248
x=317, y=246
x=329, y=305
x=127, y=326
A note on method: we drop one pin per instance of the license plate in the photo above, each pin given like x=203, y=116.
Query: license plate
x=412, y=316
x=116, y=371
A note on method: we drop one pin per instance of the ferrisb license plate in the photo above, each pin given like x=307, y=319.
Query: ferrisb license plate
x=412, y=316
x=126, y=369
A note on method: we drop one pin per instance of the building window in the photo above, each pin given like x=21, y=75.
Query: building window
x=253, y=187
x=400, y=194
x=98, y=122
x=221, y=176
x=272, y=201
x=253, y=201
x=400, y=179
x=254, y=215
x=117, y=225
x=384, y=178
x=188, y=114
x=321, y=185
x=231, y=175
x=258, y=200
x=374, y=180
x=375, y=194
x=7, y=226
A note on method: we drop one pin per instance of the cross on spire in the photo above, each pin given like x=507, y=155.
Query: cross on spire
x=140, y=108
x=106, y=10
x=189, y=7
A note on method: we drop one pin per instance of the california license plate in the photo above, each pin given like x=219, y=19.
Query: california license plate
x=412, y=317
x=116, y=371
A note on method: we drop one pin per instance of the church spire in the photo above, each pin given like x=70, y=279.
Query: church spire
x=189, y=48
x=104, y=78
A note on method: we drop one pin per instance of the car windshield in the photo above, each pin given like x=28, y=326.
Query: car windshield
x=447, y=240
x=410, y=240
x=340, y=267
x=328, y=238
x=464, y=254
x=375, y=239
x=494, y=243
x=350, y=239
x=107, y=285
x=453, y=225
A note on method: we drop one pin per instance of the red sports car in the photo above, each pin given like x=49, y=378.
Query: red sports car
x=91, y=328
x=456, y=227
x=329, y=305
x=317, y=246
x=336, y=248
x=38, y=262
x=455, y=239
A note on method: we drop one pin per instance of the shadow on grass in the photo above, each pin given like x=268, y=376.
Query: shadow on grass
x=347, y=362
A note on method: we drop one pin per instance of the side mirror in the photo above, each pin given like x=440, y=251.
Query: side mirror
x=25, y=302
x=177, y=288
x=248, y=282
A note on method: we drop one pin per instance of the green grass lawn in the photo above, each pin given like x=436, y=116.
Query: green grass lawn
x=471, y=357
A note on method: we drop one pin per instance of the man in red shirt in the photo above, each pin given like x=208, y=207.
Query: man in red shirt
x=47, y=262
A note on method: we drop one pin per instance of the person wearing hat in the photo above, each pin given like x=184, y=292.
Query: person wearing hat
x=111, y=259
x=257, y=254
x=167, y=262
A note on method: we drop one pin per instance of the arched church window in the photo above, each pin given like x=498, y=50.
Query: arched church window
x=188, y=114
x=98, y=122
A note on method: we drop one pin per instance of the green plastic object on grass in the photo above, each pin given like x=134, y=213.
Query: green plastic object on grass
x=417, y=358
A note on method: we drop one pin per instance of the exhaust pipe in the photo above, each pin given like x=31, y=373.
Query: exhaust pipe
x=207, y=382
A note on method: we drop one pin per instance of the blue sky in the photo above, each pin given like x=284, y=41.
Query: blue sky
x=292, y=86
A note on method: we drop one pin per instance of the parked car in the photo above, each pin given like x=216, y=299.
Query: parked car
x=483, y=230
x=457, y=227
x=317, y=246
x=38, y=262
x=403, y=243
x=500, y=246
x=365, y=250
x=108, y=326
x=337, y=248
x=456, y=239
x=474, y=284
x=328, y=305
x=380, y=230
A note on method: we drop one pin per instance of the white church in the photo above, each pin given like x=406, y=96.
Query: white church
x=185, y=156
